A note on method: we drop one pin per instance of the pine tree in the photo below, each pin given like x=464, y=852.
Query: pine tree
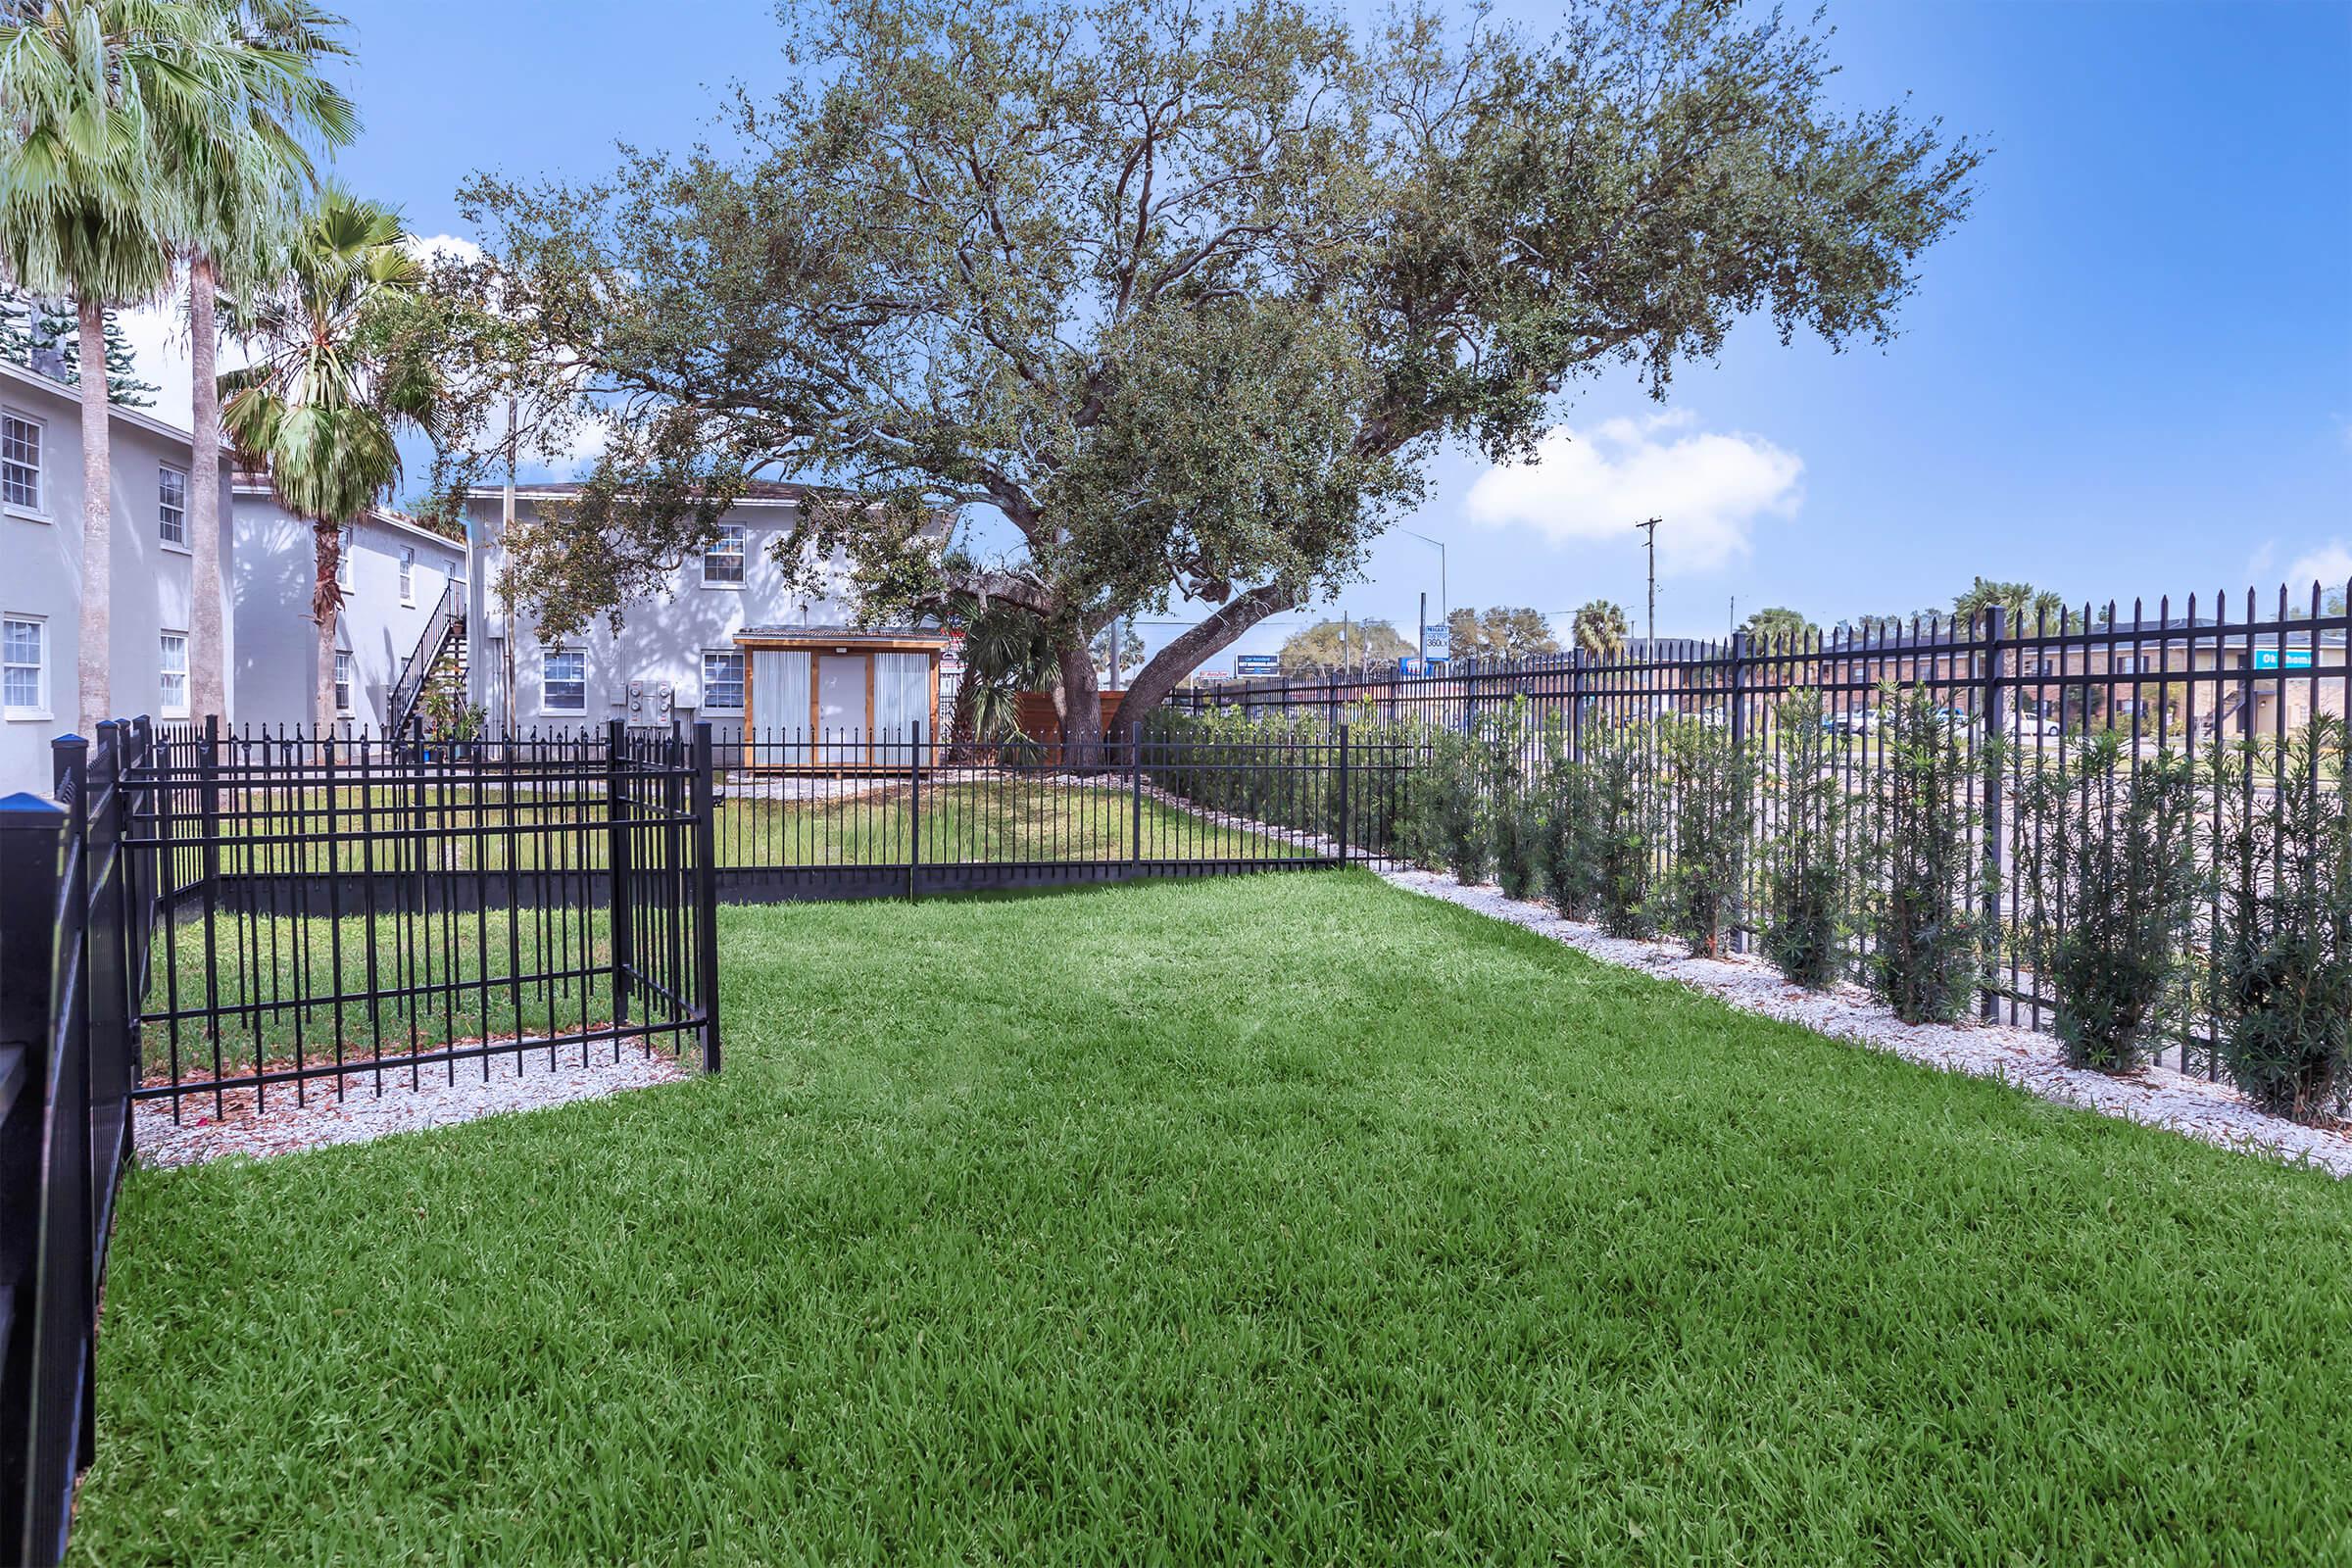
x=31, y=325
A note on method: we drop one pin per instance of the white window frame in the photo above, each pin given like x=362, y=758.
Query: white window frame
x=742, y=671
x=38, y=511
x=407, y=574
x=166, y=705
x=547, y=705
x=39, y=708
x=165, y=510
x=347, y=679
x=741, y=537
x=345, y=537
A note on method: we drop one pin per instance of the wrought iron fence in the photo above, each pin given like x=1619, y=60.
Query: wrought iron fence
x=2221, y=689
x=73, y=928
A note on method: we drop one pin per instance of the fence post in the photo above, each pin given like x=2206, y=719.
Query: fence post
x=1135, y=793
x=1343, y=795
x=31, y=835
x=915, y=815
x=1575, y=705
x=1736, y=715
x=706, y=889
x=1996, y=706
x=616, y=861
x=207, y=792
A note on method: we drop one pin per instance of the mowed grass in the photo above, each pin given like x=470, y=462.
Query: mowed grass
x=1283, y=1218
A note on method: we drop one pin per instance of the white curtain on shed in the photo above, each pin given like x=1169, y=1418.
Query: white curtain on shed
x=779, y=704
x=901, y=700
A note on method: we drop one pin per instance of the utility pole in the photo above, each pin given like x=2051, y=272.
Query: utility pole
x=1115, y=653
x=1650, y=527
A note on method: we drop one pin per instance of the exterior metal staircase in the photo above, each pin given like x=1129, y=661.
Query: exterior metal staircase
x=438, y=658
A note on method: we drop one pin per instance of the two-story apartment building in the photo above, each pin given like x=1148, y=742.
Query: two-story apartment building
x=152, y=593
x=396, y=575
x=731, y=642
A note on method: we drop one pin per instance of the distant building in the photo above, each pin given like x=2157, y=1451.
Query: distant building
x=152, y=593
x=396, y=575
x=730, y=642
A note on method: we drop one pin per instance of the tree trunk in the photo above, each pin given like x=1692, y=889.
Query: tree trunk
x=96, y=659
x=208, y=679
x=327, y=609
x=1154, y=682
x=1082, y=707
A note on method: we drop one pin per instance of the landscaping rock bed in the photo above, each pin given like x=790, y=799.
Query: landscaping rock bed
x=360, y=1114
x=2156, y=1096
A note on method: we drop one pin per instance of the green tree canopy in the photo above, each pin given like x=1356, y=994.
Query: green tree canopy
x=2028, y=606
x=1503, y=632
x=1170, y=305
x=1599, y=628
x=1343, y=644
x=1776, y=627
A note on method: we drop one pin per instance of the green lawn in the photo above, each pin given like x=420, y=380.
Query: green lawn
x=1283, y=1218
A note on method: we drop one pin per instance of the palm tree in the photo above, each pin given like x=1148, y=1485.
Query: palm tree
x=1601, y=628
x=85, y=211
x=242, y=167
x=1004, y=653
x=323, y=397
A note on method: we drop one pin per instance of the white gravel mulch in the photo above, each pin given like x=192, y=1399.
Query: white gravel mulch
x=360, y=1114
x=2156, y=1096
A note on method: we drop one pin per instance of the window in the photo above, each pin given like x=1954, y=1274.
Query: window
x=175, y=667
x=21, y=461
x=722, y=682
x=722, y=560
x=2125, y=665
x=342, y=680
x=407, y=574
x=343, y=537
x=563, y=680
x=171, y=505
x=23, y=673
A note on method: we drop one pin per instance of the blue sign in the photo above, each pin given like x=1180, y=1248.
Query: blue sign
x=1409, y=665
x=1438, y=640
x=1256, y=666
x=2269, y=658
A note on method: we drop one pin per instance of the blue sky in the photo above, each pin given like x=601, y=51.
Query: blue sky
x=2129, y=373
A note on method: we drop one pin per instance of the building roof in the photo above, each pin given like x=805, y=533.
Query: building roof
x=842, y=634
x=758, y=493
x=248, y=483
x=20, y=375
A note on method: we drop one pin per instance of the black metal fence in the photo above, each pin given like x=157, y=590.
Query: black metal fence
x=796, y=820
x=2221, y=689
x=75, y=923
x=196, y=914
x=349, y=912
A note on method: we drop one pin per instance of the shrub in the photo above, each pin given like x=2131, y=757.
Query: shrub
x=2281, y=995
x=1804, y=880
x=1624, y=838
x=1927, y=940
x=1568, y=843
x=1708, y=810
x=1504, y=740
x=2112, y=879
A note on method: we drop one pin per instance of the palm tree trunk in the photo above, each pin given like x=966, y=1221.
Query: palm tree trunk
x=326, y=609
x=96, y=658
x=208, y=681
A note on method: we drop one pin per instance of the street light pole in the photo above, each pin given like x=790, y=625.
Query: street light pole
x=1445, y=605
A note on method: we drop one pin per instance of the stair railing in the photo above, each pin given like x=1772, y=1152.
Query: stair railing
x=448, y=615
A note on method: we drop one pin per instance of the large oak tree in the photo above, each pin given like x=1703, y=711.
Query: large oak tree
x=1169, y=304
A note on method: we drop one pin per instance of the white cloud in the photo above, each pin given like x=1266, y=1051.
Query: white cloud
x=2329, y=566
x=1711, y=488
x=433, y=247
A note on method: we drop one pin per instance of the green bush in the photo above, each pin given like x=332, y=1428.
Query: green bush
x=1708, y=810
x=1624, y=830
x=1804, y=878
x=2111, y=879
x=2281, y=995
x=1927, y=939
x=1568, y=839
